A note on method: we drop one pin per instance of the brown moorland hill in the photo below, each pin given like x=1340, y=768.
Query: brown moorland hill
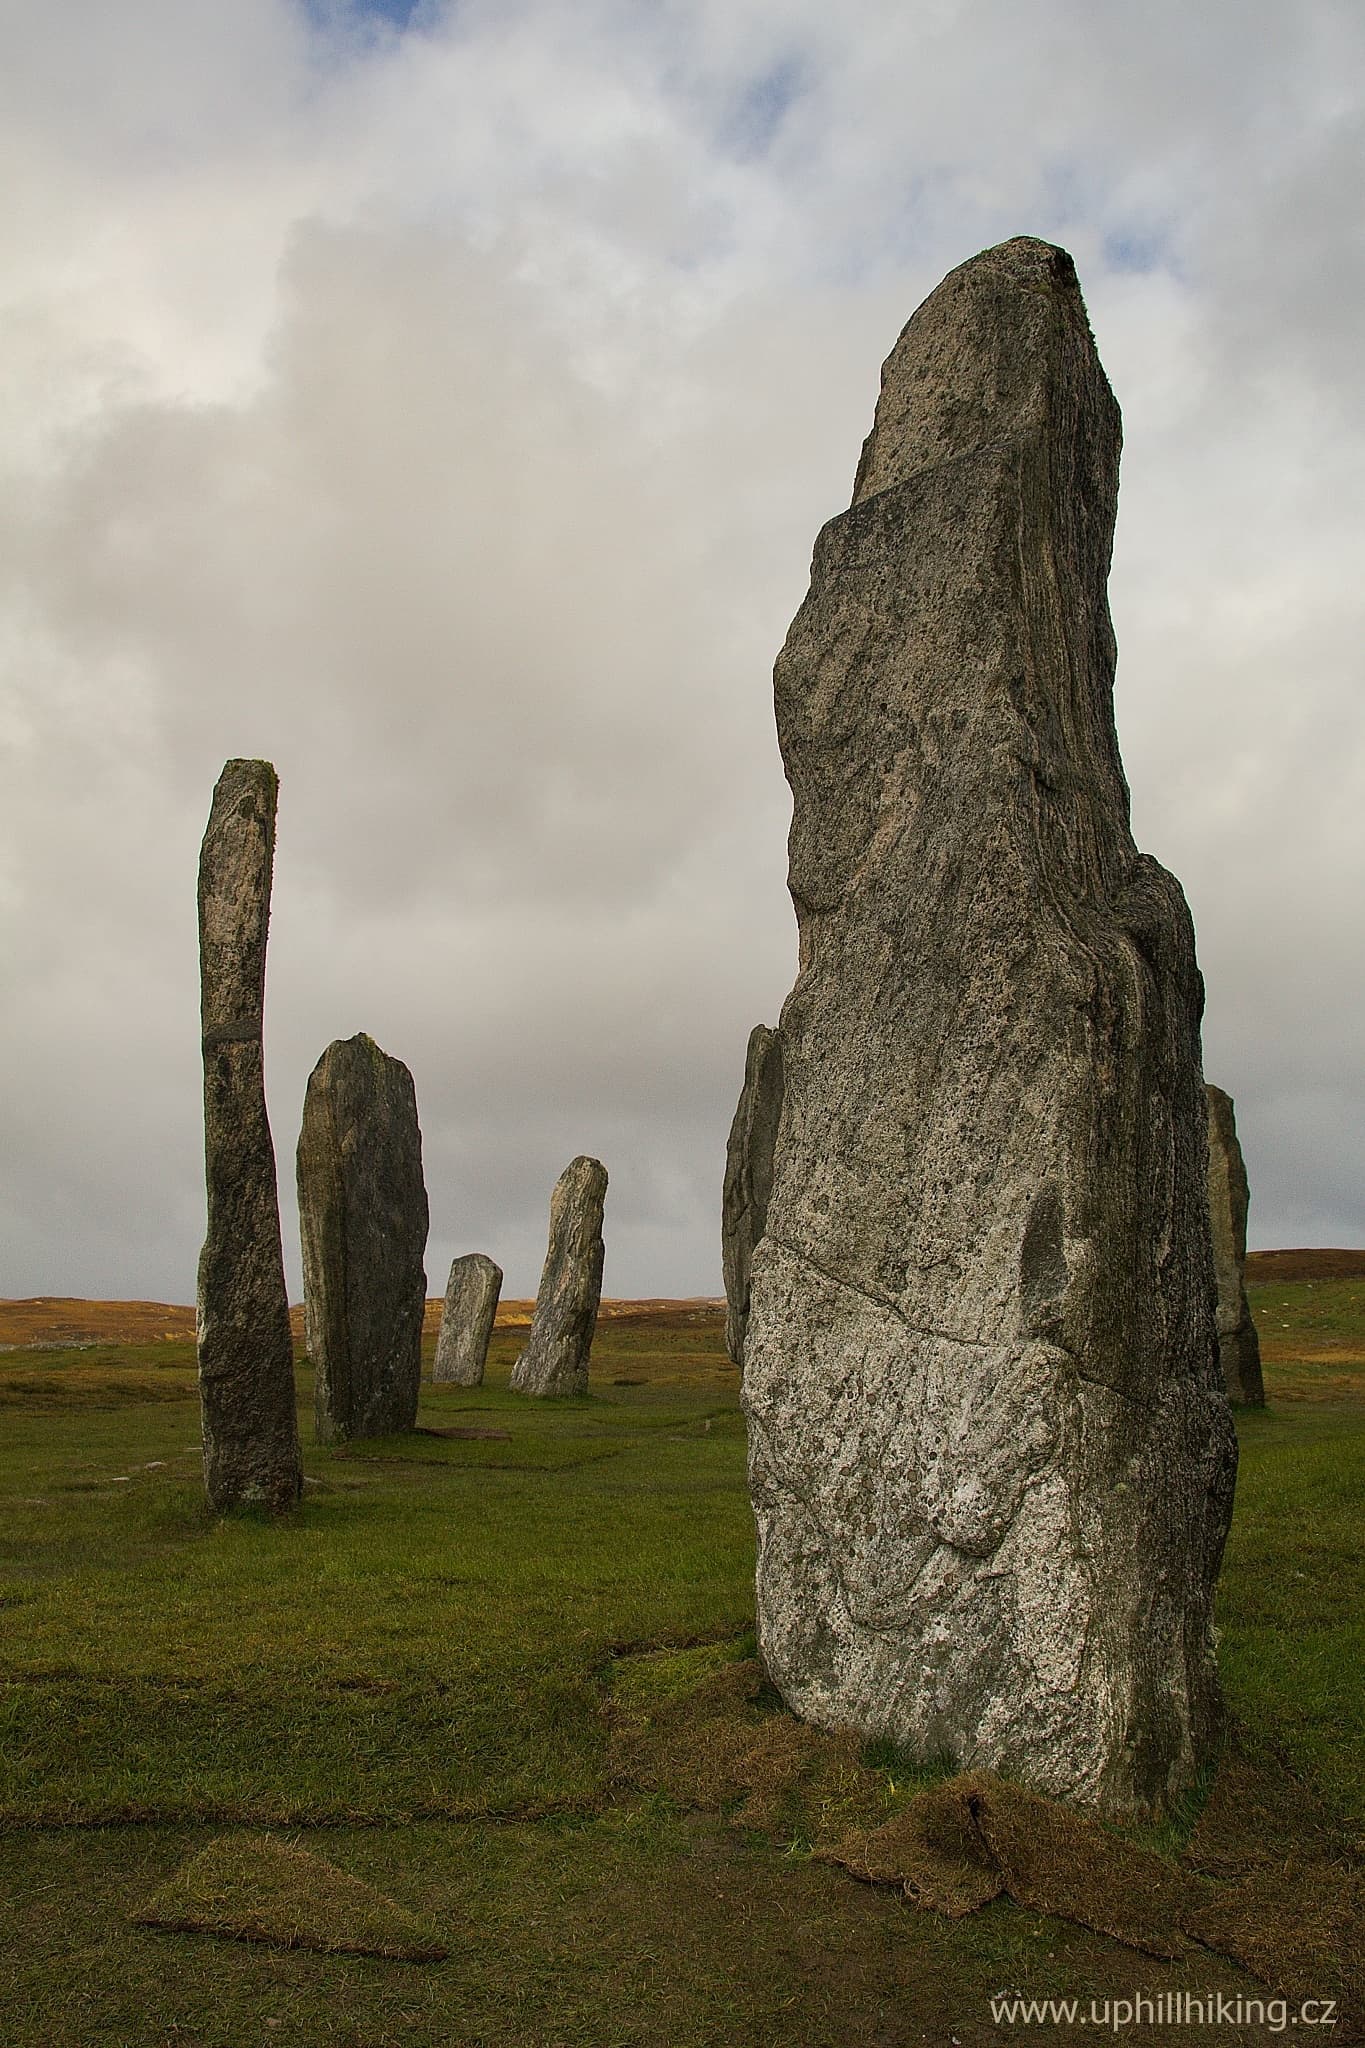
x=53, y=1320
x=1305, y=1265
x=49, y=1320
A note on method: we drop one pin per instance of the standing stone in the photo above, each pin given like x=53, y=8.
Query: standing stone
x=749, y=1177
x=363, y=1225
x=1239, y=1348
x=246, y=1350
x=555, y=1360
x=467, y=1320
x=991, y=1457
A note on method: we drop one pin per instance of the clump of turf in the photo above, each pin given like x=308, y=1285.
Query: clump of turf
x=1293, y=1913
x=959, y=1845
x=727, y=1744
x=254, y=1888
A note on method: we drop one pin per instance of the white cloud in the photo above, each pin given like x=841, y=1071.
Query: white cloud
x=448, y=416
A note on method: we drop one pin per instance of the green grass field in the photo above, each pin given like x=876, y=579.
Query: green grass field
x=417, y=1677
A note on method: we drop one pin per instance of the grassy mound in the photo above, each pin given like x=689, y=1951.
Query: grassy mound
x=253, y=1888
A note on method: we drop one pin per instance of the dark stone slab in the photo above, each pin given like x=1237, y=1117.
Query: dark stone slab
x=363, y=1225
x=749, y=1177
x=1239, y=1348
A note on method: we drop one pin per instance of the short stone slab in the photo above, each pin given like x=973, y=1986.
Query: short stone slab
x=471, y=1303
x=555, y=1361
x=363, y=1226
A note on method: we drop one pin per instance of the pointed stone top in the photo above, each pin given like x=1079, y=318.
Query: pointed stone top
x=983, y=361
x=240, y=778
x=360, y=1044
x=585, y=1164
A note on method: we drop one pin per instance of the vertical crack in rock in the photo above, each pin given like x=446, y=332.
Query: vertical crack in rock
x=749, y=1177
x=246, y=1351
x=991, y=1457
x=1239, y=1348
x=555, y=1361
x=363, y=1232
x=471, y=1303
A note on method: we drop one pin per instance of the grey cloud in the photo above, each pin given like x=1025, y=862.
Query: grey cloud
x=470, y=471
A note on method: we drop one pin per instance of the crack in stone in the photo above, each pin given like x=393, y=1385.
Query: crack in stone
x=880, y=1300
x=931, y=468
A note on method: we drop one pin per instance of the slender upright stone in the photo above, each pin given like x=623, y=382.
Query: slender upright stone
x=991, y=1457
x=555, y=1361
x=246, y=1351
x=363, y=1226
x=749, y=1177
x=1239, y=1348
x=467, y=1320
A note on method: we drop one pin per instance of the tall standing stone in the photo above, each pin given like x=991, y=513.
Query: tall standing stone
x=1239, y=1348
x=363, y=1225
x=246, y=1350
x=749, y=1177
x=991, y=1457
x=555, y=1360
x=467, y=1320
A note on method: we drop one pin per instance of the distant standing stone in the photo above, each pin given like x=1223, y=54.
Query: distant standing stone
x=1239, y=1348
x=467, y=1320
x=749, y=1177
x=246, y=1350
x=555, y=1361
x=363, y=1224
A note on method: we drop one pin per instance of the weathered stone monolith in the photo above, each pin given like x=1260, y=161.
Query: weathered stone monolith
x=363, y=1226
x=749, y=1177
x=246, y=1351
x=991, y=1457
x=1239, y=1348
x=467, y=1320
x=555, y=1360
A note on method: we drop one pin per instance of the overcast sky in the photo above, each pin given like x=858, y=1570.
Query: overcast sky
x=442, y=402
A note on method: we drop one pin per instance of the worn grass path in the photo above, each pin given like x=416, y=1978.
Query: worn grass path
x=413, y=1679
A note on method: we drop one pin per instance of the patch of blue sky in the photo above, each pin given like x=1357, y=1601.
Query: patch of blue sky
x=758, y=111
x=1139, y=250
x=331, y=14
x=1080, y=195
